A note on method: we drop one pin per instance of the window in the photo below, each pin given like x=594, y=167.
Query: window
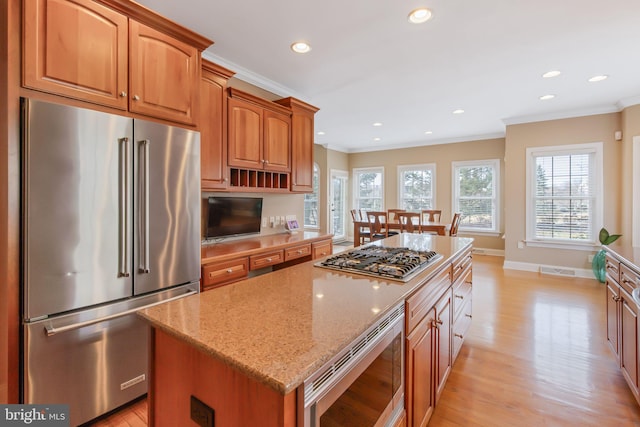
x=311, y=201
x=368, y=189
x=564, y=193
x=417, y=184
x=475, y=194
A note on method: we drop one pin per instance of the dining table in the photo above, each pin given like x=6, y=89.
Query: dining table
x=426, y=227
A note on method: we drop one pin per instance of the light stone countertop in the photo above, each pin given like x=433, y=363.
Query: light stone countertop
x=279, y=328
x=626, y=253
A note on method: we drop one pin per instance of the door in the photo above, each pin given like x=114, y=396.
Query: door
x=166, y=215
x=338, y=205
x=75, y=241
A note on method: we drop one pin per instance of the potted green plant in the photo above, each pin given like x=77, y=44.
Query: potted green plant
x=598, y=263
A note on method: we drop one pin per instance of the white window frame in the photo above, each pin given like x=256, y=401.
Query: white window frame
x=355, y=173
x=495, y=165
x=316, y=172
x=422, y=167
x=598, y=204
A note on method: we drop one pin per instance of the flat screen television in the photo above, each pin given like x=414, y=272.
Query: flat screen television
x=233, y=216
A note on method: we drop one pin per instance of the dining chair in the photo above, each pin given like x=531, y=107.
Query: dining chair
x=378, y=225
x=455, y=222
x=431, y=215
x=365, y=232
x=410, y=222
x=393, y=217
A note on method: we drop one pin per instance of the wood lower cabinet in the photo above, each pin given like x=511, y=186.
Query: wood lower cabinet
x=321, y=249
x=419, y=372
x=213, y=127
x=461, y=269
x=224, y=272
x=623, y=324
x=104, y=53
x=77, y=49
x=302, y=137
x=428, y=325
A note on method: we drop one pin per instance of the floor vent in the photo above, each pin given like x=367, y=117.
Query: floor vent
x=479, y=251
x=557, y=271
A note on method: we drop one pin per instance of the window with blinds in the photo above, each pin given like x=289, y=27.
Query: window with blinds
x=476, y=194
x=564, y=200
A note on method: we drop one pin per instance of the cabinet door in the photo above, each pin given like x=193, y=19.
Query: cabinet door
x=245, y=134
x=419, y=372
x=629, y=340
x=443, y=342
x=277, y=138
x=612, y=307
x=302, y=152
x=76, y=49
x=213, y=143
x=164, y=75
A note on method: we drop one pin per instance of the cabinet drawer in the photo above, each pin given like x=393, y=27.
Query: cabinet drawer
x=423, y=300
x=460, y=264
x=461, y=327
x=265, y=260
x=461, y=293
x=629, y=279
x=297, y=252
x=321, y=249
x=613, y=267
x=224, y=272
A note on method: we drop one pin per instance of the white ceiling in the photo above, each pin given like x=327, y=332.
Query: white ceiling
x=369, y=64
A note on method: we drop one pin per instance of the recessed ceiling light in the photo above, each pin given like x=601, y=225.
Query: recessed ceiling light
x=428, y=132
x=598, y=78
x=546, y=97
x=458, y=111
x=376, y=139
x=300, y=47
x=377, y=124
x=320, y=133
x=419, y=16
x=552, y=73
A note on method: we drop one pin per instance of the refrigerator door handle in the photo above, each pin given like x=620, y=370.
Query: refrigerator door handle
x=123, y=209
x=51, y=330
x=144, y=206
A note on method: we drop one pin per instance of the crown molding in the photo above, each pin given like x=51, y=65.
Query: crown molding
x=558, y=115
x=414, y=144
x=628, y=102
x=254, y=78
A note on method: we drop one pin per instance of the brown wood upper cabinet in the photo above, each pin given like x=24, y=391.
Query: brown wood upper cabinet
x=259, y=133
x=97, y=53
x=213, y=129
x=301, y=144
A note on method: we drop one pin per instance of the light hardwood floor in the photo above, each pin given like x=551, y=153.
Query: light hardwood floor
x=536, y=355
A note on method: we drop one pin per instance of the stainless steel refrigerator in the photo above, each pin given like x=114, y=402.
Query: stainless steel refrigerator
x=111, y=223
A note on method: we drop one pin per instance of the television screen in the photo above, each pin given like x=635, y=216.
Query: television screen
x=233, y=216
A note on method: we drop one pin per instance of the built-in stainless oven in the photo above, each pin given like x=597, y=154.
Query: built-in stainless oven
x=363, y=385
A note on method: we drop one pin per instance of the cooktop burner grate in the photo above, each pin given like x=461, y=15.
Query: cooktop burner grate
x=380, y=261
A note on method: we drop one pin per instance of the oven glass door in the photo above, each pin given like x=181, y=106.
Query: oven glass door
x=369, y=398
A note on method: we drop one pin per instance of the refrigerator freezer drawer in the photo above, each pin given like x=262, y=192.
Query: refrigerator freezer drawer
x=94, y=369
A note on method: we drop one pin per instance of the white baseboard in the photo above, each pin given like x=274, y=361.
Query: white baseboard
x=549, y=269
x=491, y=252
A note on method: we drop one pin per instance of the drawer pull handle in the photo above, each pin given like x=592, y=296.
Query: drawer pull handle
x=269, y=259
x=460, y=296
x=459, y=336
x=230, y=271
x=136, y=98
x=123, y=94
x=439, y=322
x=615, y=298
x=469, y=316
x=299, y=251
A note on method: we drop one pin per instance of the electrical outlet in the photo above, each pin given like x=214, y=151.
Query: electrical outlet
x=201, y=413
x=520, y=245
x=272, y=221
x=590, y=258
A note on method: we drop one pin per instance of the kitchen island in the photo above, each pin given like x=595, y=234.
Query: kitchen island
x=244, y=349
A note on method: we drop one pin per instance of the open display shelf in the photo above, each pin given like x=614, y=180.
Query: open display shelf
x=251, y=180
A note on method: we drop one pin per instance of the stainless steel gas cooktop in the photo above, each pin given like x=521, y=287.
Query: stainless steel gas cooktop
x=379, y=261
